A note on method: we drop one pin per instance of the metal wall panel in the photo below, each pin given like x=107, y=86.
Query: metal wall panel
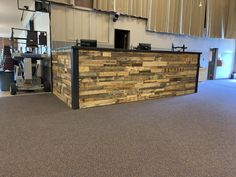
x=69, y=24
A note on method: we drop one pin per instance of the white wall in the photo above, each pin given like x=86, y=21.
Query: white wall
x=227, y=67
x=138, y=34
x=235, y=60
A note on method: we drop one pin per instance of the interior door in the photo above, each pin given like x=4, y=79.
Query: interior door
x=121, y=39
x=212, y=64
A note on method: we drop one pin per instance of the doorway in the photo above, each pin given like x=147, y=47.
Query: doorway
x=212, y=64
x=122, y=39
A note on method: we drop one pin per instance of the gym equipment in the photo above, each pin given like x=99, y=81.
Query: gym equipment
x=29, y=66
x=8, y=63
x=28, y=73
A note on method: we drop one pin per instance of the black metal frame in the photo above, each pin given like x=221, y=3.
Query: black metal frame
x=197, y=76
x=50, y=31
x=75, y=77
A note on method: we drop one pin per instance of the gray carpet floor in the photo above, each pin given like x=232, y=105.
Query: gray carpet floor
x=187, y=136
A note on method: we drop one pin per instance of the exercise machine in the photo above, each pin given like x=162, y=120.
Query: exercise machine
x=28, y=66
x=29, y=74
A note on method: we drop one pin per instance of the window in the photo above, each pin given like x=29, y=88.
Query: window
x=84, y=3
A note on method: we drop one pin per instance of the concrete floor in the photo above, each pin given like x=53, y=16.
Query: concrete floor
x=184, y=136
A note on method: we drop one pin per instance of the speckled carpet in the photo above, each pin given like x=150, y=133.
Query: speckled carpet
x=188, y=136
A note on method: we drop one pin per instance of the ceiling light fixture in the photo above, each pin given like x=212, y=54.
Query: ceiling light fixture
x=200, y=4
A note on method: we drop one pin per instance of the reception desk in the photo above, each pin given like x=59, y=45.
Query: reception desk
x=89, y=77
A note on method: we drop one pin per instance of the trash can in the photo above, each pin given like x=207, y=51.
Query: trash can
x=233, y=76
x=6, y=78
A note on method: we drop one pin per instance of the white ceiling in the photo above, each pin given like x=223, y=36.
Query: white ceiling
x=10, y=16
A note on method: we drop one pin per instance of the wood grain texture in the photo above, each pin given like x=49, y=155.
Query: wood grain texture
x=112, y=77
x=61, y=69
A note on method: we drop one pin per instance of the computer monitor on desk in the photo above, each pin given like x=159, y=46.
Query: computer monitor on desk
x=88, y=43
x=144, y=46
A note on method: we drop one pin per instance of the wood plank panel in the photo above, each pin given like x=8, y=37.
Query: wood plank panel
x=61, y=68
x=111, y=77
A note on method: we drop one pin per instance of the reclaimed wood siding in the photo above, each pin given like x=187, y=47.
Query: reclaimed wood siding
x=107, y=77
x=61, y=68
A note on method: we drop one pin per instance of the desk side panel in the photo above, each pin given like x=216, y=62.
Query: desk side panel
x=61, y=74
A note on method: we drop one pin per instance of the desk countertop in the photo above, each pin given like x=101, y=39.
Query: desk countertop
x=124, y=50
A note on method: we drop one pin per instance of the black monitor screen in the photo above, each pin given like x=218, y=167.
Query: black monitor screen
x=32, y=39
x=43, y=38
x=88, y=43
